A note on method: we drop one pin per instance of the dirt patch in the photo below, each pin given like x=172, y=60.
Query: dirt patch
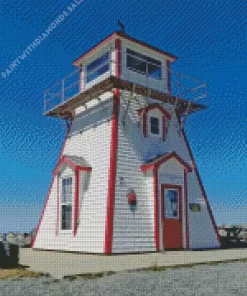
x=18, y=272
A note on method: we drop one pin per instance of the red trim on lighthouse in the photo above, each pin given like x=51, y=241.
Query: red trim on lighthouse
x=186, y=208
x=118, y=68
x=76, y=206
x=164, y=129
x=156, y=163
x=112, y=174
x=126, y=37
x=113, y=157
x=153, y=106
x=58, y=205
x=74, y=167
x=156, y=210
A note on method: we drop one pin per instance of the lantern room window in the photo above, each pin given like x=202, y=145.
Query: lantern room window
x=98, y=67
x=143, y=64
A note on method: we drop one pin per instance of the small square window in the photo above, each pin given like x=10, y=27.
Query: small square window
x=154, y=125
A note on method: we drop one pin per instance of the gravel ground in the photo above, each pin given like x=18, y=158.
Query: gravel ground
x=225, y=279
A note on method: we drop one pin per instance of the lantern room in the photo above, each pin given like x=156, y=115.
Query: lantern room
x=130, y=60
x=120, y=61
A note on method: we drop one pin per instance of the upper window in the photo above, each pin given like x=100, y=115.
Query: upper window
x=98, y=67
x=154, y=125
x=66, y=204
x=154, y=121
x=143, y=64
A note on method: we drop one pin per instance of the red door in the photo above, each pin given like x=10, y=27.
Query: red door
x=171, y=207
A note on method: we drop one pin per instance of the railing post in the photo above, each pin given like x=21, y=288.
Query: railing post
x=81, y=80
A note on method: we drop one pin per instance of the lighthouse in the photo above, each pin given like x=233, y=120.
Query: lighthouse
x=126, y=180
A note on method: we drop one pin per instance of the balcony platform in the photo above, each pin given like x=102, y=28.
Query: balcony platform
x=65, y=109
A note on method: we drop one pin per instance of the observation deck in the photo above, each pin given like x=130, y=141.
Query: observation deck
x=140, y=74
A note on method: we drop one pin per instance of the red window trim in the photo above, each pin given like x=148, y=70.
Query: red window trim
x=186, y=208
x=156, y=210
x=171, y=186
x=76, y=169
x=76, y=204
x=145, y=122
x=58, y=205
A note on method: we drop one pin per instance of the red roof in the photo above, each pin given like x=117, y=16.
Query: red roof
x=156, y=162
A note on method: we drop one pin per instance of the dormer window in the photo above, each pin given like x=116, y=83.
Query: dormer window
x=154, y=121
x=143, y=64
x=70, y=172
x=66, y=204
x=154, y=125
x=98, y=67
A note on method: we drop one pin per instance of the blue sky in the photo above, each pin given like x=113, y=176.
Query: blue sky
x=209, y=39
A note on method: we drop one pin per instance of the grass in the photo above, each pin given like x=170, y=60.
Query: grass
x=155, y=267
x=19, y=273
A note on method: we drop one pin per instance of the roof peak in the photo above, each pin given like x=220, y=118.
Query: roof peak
x=124, y=35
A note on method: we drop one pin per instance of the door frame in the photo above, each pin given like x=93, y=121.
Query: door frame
x=165, y=186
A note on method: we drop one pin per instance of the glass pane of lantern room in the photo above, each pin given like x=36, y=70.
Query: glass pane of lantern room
x=154, y=71
x=136, y=64
x=171, y=203
x=98, y=67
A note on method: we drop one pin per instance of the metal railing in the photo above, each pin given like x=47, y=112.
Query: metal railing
x=181, y=86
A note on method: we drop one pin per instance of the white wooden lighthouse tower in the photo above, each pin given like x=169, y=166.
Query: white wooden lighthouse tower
x=126, y=180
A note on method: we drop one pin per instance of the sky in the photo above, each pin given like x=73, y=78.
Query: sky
x=209, y=39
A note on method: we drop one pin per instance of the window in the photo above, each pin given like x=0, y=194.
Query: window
x=171, y=204
x=98, y=67
x=143, y=64
x=66, y=204
x=154, y=125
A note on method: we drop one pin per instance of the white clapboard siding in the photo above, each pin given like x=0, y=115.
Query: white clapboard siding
x=93, y=144
x=133, y=150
